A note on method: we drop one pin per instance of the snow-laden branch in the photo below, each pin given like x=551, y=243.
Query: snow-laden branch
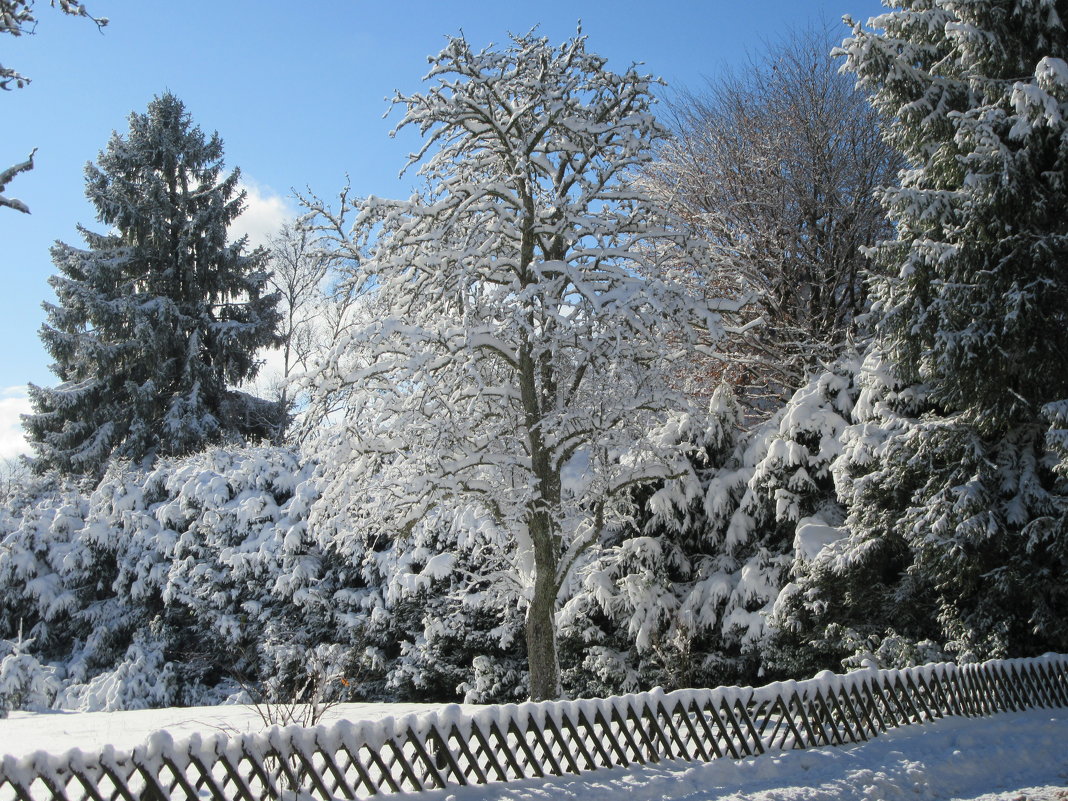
x=5, y=179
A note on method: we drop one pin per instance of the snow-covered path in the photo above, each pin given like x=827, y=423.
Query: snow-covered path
x=1009, y=757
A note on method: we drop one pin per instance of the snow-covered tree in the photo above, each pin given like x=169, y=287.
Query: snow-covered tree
x=17, y=18
x=24, y=682
x=776, y=166
x=442, y=624
x=645, y=610
x=958, y=519
x=167, y=585
x=37, y=539
x=317, y=289
x=683, y=597
x=516, y=363
x=158, y=316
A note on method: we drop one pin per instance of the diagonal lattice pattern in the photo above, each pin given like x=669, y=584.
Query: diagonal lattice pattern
x=359, y=760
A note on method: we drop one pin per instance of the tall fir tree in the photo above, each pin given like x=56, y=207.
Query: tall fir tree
x=157, y=317
x=958, y=518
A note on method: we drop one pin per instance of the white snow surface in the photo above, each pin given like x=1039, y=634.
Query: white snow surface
x=1020, y=756
x=1008, y=757
x=57, y=732
x=813, y=535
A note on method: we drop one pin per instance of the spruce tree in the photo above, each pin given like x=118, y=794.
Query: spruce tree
x=956, y=512
x=158, y=316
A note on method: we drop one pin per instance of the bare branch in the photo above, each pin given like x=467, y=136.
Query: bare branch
x=777, y=167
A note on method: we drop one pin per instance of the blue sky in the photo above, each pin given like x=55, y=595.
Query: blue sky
x=297, y=91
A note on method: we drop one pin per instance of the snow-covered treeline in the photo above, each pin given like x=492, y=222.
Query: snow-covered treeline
x=180, y=583
x=509, y=480
x=207, y=576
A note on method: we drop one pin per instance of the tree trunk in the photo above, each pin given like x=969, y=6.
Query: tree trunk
x=541, y=625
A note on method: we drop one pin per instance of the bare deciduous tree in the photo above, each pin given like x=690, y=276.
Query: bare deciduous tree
x=299, y=269
x=14, y=474
x=776, y=167
x=313, y=281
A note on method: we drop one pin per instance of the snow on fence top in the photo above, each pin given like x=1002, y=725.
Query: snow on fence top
x=514, y=741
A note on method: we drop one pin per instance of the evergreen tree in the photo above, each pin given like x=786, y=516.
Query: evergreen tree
x=648, y=607
x=684, y=595
x=956, y=515
x=159, y=315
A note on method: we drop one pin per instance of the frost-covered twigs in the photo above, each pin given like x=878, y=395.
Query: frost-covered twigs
x=776, y=165
x=302, y=699
x=512, y=363
x=5, y=178
x=17, y=17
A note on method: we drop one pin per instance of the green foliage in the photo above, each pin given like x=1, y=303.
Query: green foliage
x=682, y=596
x=976, y=299
x=958, y=520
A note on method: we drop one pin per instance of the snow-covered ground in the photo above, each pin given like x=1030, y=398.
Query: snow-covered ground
x=1010, y=757
x=56, y=732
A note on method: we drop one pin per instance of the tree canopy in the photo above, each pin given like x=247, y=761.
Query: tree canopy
x=517, y=366
x=958, y=509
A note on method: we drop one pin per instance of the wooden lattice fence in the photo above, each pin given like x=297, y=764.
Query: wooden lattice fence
x=347, y=760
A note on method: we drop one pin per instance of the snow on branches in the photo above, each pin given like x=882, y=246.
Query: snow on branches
x=512, y=360
x=156, y=319
x=17, y=17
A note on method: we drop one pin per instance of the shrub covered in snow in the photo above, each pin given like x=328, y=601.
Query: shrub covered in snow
x=683, y=596
x=149, y=587
x=178, y=584
x=24, y=682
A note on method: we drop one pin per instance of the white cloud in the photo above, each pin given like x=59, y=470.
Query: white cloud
x=267, y=380
x=265, y=212
x=13, y=403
